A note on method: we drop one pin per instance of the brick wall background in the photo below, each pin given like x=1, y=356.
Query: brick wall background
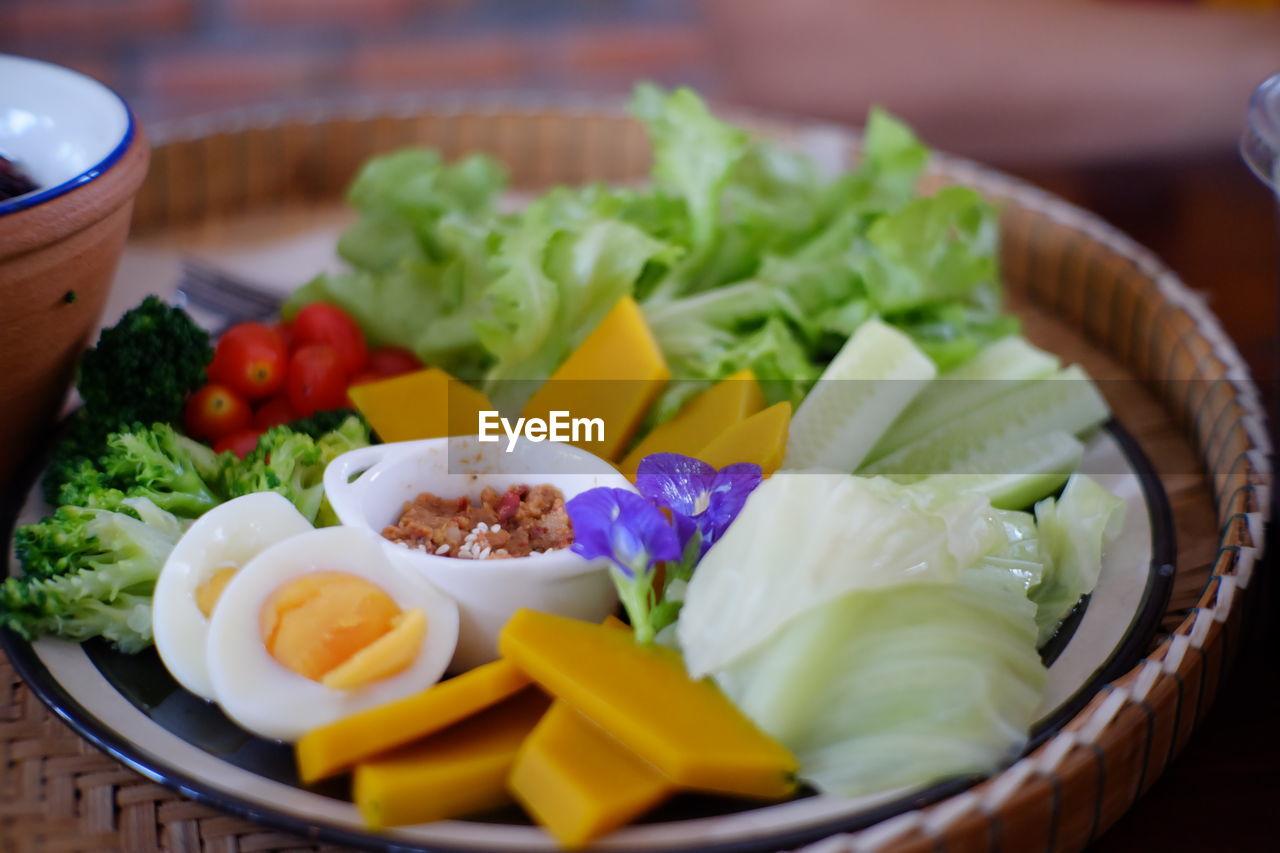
x=173, y=58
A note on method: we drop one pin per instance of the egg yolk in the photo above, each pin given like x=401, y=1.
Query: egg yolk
x=210, y=591
x=340, y=629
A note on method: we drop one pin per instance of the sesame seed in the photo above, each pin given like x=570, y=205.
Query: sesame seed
x=484, y=555
x=443, y=549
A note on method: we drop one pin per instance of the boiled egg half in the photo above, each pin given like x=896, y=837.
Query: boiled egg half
x=321, y=625
x=209, y=554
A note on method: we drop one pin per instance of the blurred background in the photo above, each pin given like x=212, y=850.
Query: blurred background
x=1130, y=108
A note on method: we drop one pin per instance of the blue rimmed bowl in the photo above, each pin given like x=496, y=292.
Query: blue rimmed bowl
x=59, y=244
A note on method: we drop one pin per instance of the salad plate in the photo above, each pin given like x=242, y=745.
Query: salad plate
x=130, y=706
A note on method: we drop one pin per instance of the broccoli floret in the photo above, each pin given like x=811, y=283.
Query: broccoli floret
x=86, y=485
x=154, y=462
x=101, y=584
x=143, y=367
x=292, y=463
x=84, y=441
x=328, y=421
x=351, y=433
x=157, y=463
x=284, y=461
x=140, y=372
x=55, y=545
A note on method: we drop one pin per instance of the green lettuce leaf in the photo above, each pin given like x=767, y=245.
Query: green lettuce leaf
x=561, y=273
x=404, y=195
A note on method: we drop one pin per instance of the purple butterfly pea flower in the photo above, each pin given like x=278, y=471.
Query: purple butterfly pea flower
x=701, y=499
x=622, y=526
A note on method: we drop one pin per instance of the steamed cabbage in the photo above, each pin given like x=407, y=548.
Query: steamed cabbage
x=804, y=538
x=1072, y=530
x=896, y=686
x=887, y=634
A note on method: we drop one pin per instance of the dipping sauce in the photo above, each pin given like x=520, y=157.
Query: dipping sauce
x=521, y=521
x=13, y=182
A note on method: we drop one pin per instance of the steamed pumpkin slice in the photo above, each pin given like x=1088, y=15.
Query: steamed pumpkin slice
x=427, y=403
x=726, y=403
x=760, y=438
x=578, y=782
x=338, y=746
x=613, y=376
x=457, y=772
x=641, y=696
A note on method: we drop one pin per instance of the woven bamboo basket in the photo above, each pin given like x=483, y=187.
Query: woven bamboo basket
x=1082, y=289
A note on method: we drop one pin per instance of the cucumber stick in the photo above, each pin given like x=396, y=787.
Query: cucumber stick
x=996, y=370
x=876, y=374
x=1013, y=477
x=1066, y=402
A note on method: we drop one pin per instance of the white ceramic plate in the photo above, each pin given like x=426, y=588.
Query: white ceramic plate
x=132, y=708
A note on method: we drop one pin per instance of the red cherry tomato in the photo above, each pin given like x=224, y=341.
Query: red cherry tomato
x=214, y=411
x=274, y=412
x=392, y=361
x=321, y=323
x=250, y=359
x=285, y=331
x=316, y=380
x=241, y=442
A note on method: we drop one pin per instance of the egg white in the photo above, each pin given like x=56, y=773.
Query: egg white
x=230, y=534
x=273, y=701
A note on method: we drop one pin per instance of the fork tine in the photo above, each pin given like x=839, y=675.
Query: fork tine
x=226, y=283
x=232, y=299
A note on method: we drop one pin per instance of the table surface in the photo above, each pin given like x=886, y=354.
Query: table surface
x=1217, y=227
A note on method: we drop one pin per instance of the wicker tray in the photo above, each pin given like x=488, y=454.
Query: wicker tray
x=1083, y=290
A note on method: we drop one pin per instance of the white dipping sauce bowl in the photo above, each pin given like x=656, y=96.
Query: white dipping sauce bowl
x=369, y=487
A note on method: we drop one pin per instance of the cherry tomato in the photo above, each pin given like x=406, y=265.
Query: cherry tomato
x=241, y=442
x=316, y=380
x=274, y=412
x=250, y=359
x=392, y=361
x=214, y=411
x=322, y=323
x=285, y=331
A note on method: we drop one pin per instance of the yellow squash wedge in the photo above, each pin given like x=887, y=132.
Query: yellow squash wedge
x=336, y=747
x=728, y=402
x=424, y=404
x=457, y=772
x=578, y=782
x=641, y=696
x=614, y=375
x=761, y=438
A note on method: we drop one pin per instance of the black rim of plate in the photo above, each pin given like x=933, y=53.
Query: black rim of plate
x=1141, y=629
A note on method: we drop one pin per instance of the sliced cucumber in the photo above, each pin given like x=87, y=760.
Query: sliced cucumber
x=876, y=374
x=1066, y=402
x=1014, y=477
x=996, y=370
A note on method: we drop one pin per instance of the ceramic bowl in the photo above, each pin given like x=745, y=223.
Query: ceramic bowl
x=59, y=244
x=369, y=487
